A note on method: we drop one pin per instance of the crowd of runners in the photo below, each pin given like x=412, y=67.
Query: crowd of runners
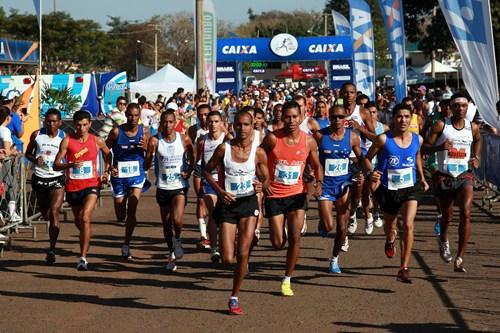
x=261, y=156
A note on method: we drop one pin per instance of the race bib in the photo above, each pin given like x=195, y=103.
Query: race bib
x=287, y=174
x=456, y=166
x=170, y=179
x=400, y=178
x=240, y=186
x=83, y=172
x=127, y=169
x=335, y=167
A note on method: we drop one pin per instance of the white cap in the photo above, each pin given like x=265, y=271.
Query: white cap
x=9, y=94
x=256, y=93
x=172, y=106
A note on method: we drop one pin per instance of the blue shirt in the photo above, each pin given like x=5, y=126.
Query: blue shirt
x=334, y=156
x=16, y=127
x=323, y=123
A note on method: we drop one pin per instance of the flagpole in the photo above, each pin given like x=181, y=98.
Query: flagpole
x=40, y=58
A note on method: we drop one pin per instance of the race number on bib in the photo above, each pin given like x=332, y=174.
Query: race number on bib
x=170, y=179
x=400, y=178
x=127, y=169
x=83, y=172
x=287, y=174
x=456, y=166
x=240, y=186
x=335, y=167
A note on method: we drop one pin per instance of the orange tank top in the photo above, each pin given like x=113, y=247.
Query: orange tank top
x=85, y=176
x=414, y=124
x=286, y=165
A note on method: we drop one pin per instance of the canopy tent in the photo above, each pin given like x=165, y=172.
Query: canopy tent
x=438, y=68
x=165, y=82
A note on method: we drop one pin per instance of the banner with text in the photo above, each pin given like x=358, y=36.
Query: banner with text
x=227, y=77
x=340, y=73
x=209, y=43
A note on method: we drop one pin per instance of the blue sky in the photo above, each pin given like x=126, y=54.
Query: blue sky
x=233, y=11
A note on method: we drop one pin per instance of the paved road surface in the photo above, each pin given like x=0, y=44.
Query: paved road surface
x=140, y=296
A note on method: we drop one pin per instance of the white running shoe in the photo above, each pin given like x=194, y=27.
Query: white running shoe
x=379, y=223
x=3, y=238
x=444, y=250
x=369, y=225
x=171, y=265
x=82, y=264
x=345, y=246
x=178, y=250
x=353, y=225
x=304, y=226
x=15, y=218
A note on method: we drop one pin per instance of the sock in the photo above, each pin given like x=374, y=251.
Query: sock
x=11, y=207
x=203, y=227
x=287, y=279
x=335, y=259
x=233, y=297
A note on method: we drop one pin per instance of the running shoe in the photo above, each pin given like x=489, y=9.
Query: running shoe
x=15, y=218
x=204, y=243
x=286, y=289
x=234, y=307
x=256, y=237
x=215, y=255
x=369, y=225
x=171, y=265
x=345, y=246
x=390, y=249
x=126, y=252
x=82, y=264
x=334, y=267
x=437, y=225
x=459, y=265
x=50, y=258
x=304, y=226
x=178, y=250
x=353, y=225
x=4, y=238
x=378, y=222
x=404, y=275
x=444, y=250
x=321, y=230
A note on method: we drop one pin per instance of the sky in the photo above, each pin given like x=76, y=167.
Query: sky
x=232, y=11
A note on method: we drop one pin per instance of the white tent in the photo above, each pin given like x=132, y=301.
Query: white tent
x=438, y=68
x=165, y=82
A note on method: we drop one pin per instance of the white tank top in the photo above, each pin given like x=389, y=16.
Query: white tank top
x=238, y=177
x=170, y=163
x=355, y=116
x=455, y=161
x=208, y=150
x=47, y=147
x=304, y=126
x=199, y=132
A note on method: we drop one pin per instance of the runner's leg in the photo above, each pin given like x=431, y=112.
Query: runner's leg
x=120, y=208
x=325, y=214
x=178, y=204
x=342, y=211
x=134, y=196
x=464, y=200
x=89, y=202
x=165, y=213
x=277, y=230
x=56, y=201
x=210, y=202
x=246, y=231
x=295, y=222
x=227, y=237
x=408, y=212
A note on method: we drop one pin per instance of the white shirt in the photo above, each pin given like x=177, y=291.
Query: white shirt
x=5, y=136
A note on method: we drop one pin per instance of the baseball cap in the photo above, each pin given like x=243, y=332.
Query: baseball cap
x=9, y=94
x=172, y=106
x=422, y=87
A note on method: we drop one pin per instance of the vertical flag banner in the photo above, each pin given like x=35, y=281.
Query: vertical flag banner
x=392, y=11
x=342, y=26
x=363, y=47
x=470, y=25
x=31, y=101
x=210, y=43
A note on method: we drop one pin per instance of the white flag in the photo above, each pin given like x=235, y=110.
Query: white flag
x=209, y=43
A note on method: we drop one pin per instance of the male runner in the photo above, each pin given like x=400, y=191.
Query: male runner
x=288, y=150
x=80, y=151
x=128, y=143
x=174, y=163
x=458, y=145
x=335, y=145
x=395, y=184
x=237, y=210
x=47, y=183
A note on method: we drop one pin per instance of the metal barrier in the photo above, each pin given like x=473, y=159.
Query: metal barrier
x=488, y=175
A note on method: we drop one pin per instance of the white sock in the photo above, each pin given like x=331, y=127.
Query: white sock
x=11, y=207
x=233, y=297
x=287, y=279
x=335, y=259
x=203, y=227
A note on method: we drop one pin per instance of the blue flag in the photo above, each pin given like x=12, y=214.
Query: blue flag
x=342, y=26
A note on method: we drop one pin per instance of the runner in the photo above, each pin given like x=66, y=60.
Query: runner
x=174, y=163
x=288, y=150
x=398, y=182
x=335, y=145
x=47, y=183
x=322, y=116
x=242, y=162
x=205, y=148
x=128, y=143
x=277, y=122
x=194, y=133
x=80, y=151
x=457, y=142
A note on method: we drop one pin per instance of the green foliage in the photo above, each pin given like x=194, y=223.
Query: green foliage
x=61, y=99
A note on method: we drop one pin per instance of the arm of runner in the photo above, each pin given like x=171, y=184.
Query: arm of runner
x=150, y=152
x=316, y=165
x=106, y=154
x=420, y=168
x=369, y=130
x=317, y=136
x=198, y=148
x=476, y=147
x=189, y=151
x=112, y=137
x=356, y=148
x=429, y=145
x=268, y=143
x=63, y=148
x=261, y=170
x=30, y=151
x=313, y=125
x=375, y=176
x=146, y=135
x=215, y=161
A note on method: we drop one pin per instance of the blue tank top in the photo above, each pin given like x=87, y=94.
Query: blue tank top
x=127, y=154
x=323, y=123
x=334, y=156
x=379, y=129
x=398, y=165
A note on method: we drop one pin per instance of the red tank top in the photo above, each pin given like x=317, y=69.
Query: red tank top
x=86, y=176
x=286, y=165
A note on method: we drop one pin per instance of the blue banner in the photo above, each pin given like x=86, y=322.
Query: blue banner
x=286, y=48
x=342, y=26
x=340, y=72
x=110, y=86
x=226, y=77
x=18, y=51
x=363, y=47
x=392, y=11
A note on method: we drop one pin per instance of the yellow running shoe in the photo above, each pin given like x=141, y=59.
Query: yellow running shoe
x=286, y=289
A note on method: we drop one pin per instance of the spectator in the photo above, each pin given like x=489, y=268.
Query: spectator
x=115, y=118
x=16, y=124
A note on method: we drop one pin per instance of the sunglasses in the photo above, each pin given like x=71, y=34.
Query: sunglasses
x=122, y=103
x=337, y=117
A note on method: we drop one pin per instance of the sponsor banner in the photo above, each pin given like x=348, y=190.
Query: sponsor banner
x=209, y=43
x=340, y=72
x=342, y=26
x=110, y=86
x=18, y=52
x=284, y=47
x=226, y=77
x=363, y=47
x=470, y=25
x=392, y=11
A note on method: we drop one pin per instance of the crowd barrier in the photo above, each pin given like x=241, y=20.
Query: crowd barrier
x=488, y=174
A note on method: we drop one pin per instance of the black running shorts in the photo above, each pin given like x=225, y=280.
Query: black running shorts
x=446, y=186
x=44, y=185
x=232, y=213
x=164, y=197
x=390, y=201
x=278, y=206
x=76, y=198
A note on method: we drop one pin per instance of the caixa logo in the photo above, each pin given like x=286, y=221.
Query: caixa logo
x=239, y=49
x=326, y=48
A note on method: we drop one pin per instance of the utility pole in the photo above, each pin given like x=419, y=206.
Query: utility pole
x=327, y=69
x=200, y=66
x=433, y=55
x=53, y=6
x=157, y=28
